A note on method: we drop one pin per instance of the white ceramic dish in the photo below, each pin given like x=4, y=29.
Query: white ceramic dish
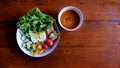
x=19, y=41
x=74, y=9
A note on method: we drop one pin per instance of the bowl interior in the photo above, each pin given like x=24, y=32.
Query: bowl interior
x=77, y=11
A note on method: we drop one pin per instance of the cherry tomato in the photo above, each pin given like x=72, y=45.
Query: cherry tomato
x=49, y=42
x=45, y=46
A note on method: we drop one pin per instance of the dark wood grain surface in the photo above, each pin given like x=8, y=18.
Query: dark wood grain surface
x=95, y=45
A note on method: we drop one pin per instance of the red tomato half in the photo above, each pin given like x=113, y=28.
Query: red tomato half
x=49, y=42
x=45, y=46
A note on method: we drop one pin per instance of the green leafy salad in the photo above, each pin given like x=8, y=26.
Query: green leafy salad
x=35, y=21
x=38, y=31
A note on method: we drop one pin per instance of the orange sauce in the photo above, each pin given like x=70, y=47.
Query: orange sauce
x=69, y=19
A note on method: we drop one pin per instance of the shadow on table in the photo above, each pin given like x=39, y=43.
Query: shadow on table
x=8, y=40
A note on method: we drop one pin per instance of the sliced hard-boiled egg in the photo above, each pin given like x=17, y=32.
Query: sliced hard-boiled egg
x=34, y=37
x=42, y=36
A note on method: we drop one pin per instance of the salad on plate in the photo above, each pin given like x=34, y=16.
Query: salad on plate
x=37, y=31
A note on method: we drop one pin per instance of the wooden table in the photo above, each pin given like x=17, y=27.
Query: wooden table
x=95, y=45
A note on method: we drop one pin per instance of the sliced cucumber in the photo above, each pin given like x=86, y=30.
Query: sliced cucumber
x=23, y=37
x=30, y=49
x=24, y=45
x=26, y=40
x=29, y=44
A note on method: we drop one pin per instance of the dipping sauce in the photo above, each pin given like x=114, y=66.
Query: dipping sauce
x=70, y=19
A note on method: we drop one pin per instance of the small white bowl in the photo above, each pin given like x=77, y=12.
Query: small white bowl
x=77, y=11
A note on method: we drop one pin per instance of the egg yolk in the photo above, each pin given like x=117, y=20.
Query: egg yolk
x=35, y=35
x=41, y=35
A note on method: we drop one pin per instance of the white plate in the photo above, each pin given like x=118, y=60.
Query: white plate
x=19, y=41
